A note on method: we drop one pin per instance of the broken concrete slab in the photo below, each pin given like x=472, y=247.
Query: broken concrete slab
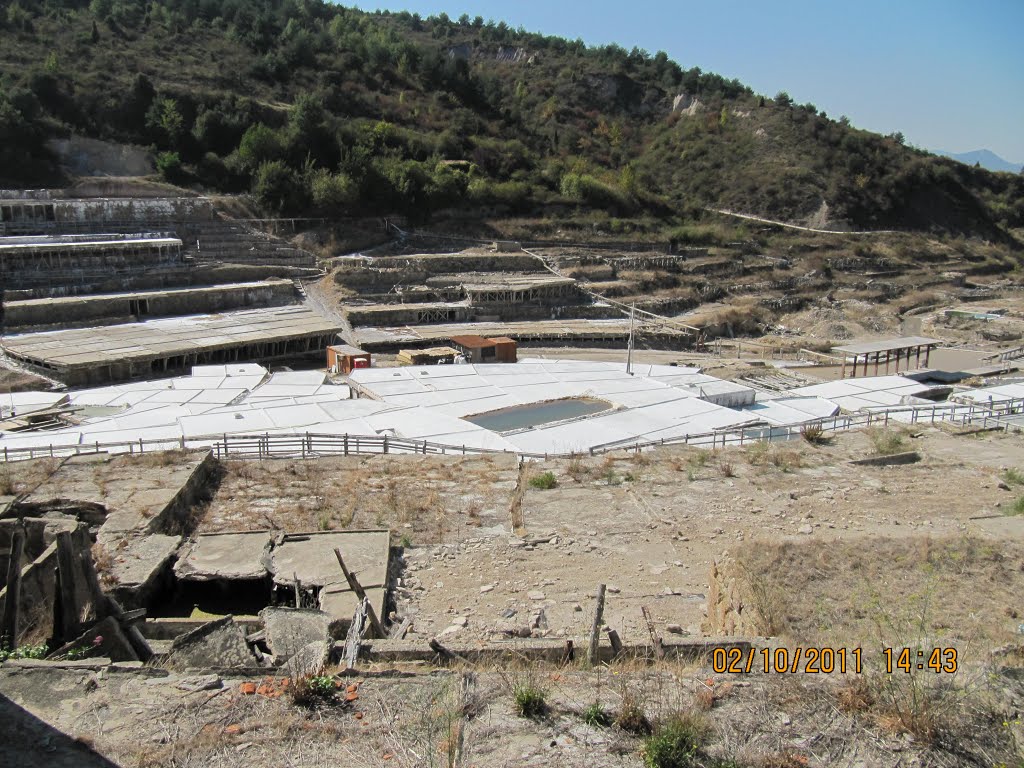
x=217, y=644
x=139, y=564
x=309, y=660
x=289, y=630
x=135, y=501
x=339, y=602
x=310, y=557
x=199, y=683
x=907, y=457
x=226, y=556
x=105, y=639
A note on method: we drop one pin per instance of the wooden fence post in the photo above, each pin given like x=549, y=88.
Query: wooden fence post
x=9, y=630
x=595, y=628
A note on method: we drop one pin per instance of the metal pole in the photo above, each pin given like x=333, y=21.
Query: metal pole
x=629, y=344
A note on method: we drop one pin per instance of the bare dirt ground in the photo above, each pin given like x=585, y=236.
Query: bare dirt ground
x=651, y=526
x=416, y=718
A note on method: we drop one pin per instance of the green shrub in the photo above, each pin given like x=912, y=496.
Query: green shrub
x=311, y=690
x=169, y=166
x=885, y=441
x=530, y=701
x=24, y=652
x=544, y=481
x=597, y=716
x=676, y=742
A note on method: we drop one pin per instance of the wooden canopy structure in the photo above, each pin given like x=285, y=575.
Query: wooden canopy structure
x=886, y=351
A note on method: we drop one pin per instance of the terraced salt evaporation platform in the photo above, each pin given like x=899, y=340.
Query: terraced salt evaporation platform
x=538, y=414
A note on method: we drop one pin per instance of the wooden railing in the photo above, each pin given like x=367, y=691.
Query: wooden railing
x=313, y=445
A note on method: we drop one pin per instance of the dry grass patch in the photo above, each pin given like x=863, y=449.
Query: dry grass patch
x=892, y=592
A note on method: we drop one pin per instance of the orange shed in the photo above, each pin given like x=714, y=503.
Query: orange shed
x=505, y=349
x=343, y=358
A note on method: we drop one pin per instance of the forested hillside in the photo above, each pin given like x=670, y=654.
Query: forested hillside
x=319, y=108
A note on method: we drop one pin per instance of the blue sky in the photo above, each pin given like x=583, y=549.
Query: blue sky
x=948, y=74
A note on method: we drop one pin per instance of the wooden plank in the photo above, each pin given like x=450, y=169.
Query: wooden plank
x=595, y=627
x=360, y=593
x=445, y=653
x=9, y=629
x=659, y=649
x=401, y=630
x=70, y=610
x=354, y=638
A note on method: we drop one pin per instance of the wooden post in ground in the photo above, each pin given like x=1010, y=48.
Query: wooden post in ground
x=9, y=630
x=613, y=638
x=360, y=594
x=297, y=585
x=659, y=649
x=595, y=628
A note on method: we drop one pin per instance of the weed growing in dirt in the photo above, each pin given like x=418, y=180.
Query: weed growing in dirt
x=544, y=481
x=1017, y=508
x=23, y=652
x=631, y=717
x=676, y=742
x=7, y=487
x=597, y=716
x=726, y=468
x=576, y=469
x=813, y=434
x=611, y=477
x=767, y=599
x=641, y=459
x=1011, y=476
x=885, y=441
x=103, y=562
x=787, y=461
x=530, y=700
x=757, y=454
x=311, y=690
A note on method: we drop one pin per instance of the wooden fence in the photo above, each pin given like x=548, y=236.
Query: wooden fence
x=312, y=444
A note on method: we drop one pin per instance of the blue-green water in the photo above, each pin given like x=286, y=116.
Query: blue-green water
x=523, y=416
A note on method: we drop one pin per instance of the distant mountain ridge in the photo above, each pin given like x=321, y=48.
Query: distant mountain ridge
x=986, y=158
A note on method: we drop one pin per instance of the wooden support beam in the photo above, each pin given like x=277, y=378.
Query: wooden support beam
x=70, y=610
x=9, y=629
x=360, y=593
x=595, y=627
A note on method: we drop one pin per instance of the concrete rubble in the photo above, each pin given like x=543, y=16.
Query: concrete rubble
x=219, y=644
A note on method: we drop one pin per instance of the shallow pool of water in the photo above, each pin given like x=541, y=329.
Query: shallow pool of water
x=536, y=414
